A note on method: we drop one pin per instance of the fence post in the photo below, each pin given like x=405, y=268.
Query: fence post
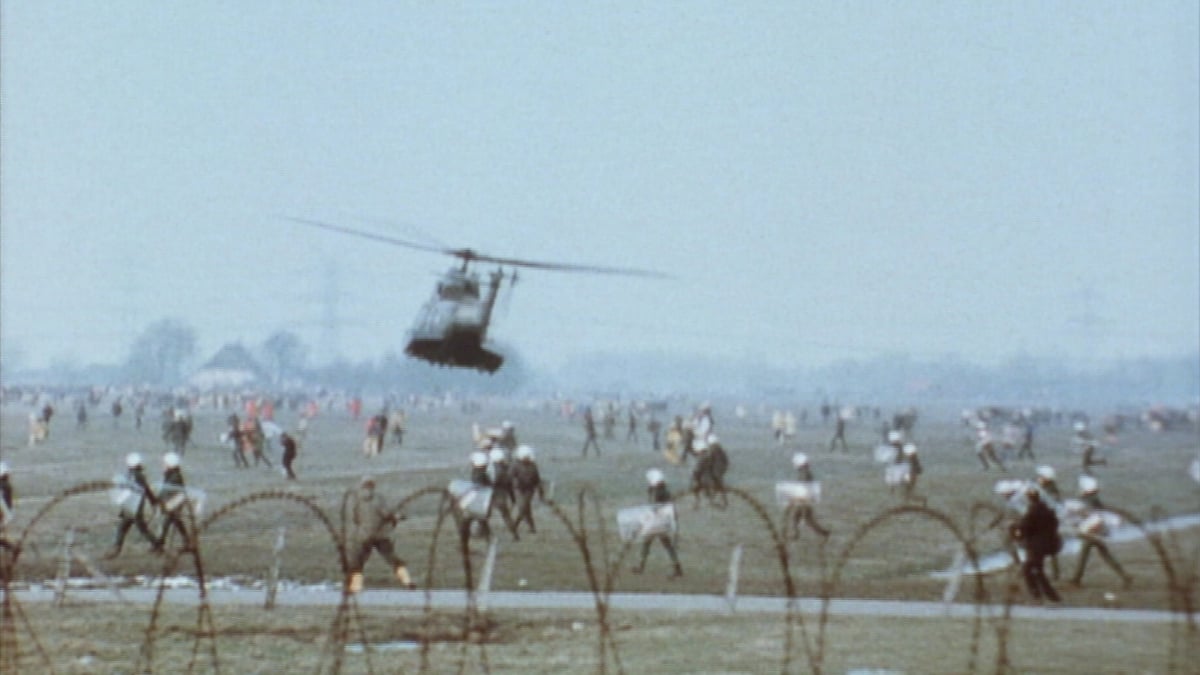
x=485, y=579
x=731, y=588
x=273, y=572
x=64, y=568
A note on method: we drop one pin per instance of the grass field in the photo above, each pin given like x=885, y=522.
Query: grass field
x=250, y=640
x=1145, y=476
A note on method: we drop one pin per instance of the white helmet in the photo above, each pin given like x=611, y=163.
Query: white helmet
x=894, y=436
x=497, y=455
x=1046, y=472
x=1088, y=485
x=713, y=440
x=523, y=452
x=479, y=459
x=799, y=459
x=4, y=470
x=698, y=445
x=506, y=425
x=910, y=449
x=133, y=459
x=1080, y=425
x=654, y=477
x=171, y=460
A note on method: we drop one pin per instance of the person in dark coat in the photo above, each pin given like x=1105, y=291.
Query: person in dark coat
x=6, y=497
x=839, y=434
x=1038, y=533
x=234, y=434
x=135, y=481
x=289, y=454
x=659, y=495
x=709, y=475
x=589, y=428
x=527, y=482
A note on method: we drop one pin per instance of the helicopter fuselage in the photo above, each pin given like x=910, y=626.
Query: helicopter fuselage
x=451, y=328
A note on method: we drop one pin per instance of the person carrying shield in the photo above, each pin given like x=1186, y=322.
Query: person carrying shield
x=371, y=522
x=659, y=495
x=985, y=447
x=172, y=497
x=1089, y=493
x=135, y=482
x=503, y=491
x=803, y=511
x=481, y=479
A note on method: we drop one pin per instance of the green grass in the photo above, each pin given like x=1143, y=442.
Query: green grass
x=249, y=640
x=1145, y=476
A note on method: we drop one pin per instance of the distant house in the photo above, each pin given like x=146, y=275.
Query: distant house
x=231, y=367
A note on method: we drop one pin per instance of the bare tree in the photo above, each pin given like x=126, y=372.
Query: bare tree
x=159, y=354
x=284, y=354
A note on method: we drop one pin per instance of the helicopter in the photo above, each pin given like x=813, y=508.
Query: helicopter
x=451, y=328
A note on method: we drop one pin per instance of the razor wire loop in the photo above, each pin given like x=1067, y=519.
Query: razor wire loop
x=1181, y=569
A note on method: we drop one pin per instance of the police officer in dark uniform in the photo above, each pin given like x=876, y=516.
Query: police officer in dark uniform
x=508, y=436
x=1038, y=532
x=527, y=481
x=659, y=494
x=135, y=480
x=1089, y=493
x=503, y=492
x=480, y=477
x=804, y=512
x=172, y=495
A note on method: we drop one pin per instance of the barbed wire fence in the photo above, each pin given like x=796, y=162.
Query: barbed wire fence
x=601, y=563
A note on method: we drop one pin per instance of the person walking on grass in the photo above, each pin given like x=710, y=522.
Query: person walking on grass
x=659, y=496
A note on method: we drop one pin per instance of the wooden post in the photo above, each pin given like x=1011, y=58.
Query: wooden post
x=273, y=572
x=485, y=579
x=64, y=568
x=735, y=566
x=956, y=572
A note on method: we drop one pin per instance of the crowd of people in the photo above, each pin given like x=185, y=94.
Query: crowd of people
x=504, y=477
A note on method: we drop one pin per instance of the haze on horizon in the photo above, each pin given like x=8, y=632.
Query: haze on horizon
x=824, y=180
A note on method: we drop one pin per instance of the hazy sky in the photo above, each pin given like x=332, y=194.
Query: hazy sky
x=823, y=180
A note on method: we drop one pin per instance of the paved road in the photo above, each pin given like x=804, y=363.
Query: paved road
x=641, y=602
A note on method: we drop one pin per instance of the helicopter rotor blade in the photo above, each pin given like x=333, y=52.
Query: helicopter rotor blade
x=560, y=267
x=371, y=235
x=468, y=255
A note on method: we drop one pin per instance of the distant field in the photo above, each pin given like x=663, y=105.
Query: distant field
x=1146, y=476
